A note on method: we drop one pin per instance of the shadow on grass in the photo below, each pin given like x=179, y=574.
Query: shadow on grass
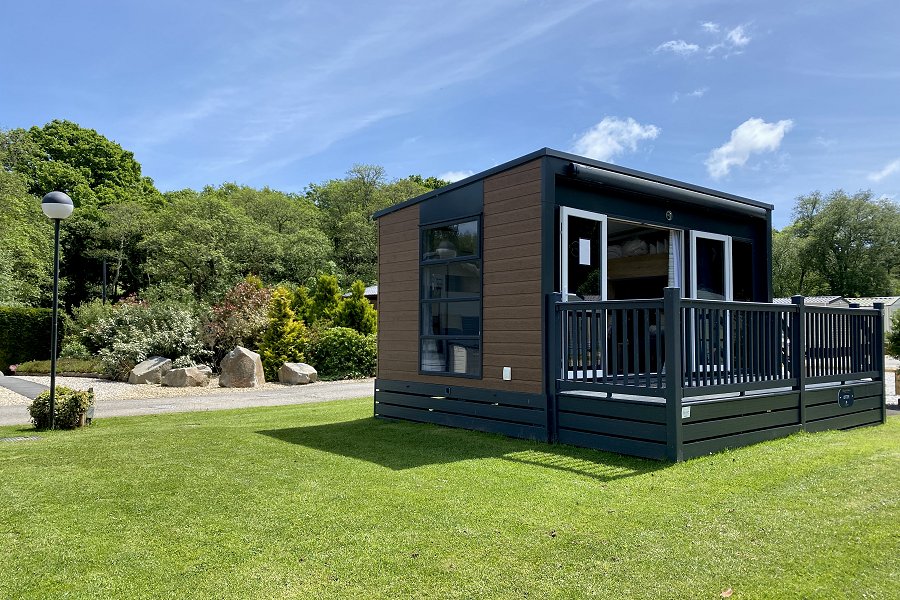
x=402, y=445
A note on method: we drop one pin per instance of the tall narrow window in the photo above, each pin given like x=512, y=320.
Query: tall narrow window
x=450, y=300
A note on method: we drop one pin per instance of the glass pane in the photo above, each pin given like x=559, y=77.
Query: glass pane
x=710, y=269
x=451, y=356
x=742, y=270
x=584, y=258
x=454, y=280
x=451, y=318
x=451, y=241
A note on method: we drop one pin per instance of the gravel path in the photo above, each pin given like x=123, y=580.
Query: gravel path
x=114, y=398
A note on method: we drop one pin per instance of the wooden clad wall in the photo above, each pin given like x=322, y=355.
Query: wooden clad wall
x=512, y=288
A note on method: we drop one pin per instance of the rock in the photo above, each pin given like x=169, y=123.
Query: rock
x=241, y=368
x=186, y=377
x=150, y=371
x=206, y=369
x=294, y=373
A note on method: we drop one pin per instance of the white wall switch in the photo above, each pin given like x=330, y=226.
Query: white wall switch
x=507, y=373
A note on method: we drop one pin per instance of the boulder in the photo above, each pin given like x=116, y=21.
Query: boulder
x=186, y=377
x=150, y=371
x=297, y=373
x=241, y=368
x=206, y=369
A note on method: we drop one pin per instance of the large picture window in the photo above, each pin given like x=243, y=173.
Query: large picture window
x=450, y=299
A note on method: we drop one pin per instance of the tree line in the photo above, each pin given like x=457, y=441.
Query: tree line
x=166, y=244
x=199, y=243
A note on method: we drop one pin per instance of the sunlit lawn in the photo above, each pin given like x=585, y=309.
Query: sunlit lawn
x=324, y=501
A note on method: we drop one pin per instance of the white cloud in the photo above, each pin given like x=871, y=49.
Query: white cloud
x=710, y=27
x=679, y=47
x=452, y=176
x=753, y=136
x=887, y=171
x=698, y=93
x=613, y=136
x=737, y=37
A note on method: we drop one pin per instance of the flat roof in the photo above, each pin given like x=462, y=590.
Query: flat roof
x=652, y=181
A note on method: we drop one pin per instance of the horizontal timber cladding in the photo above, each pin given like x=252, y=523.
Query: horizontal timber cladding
x=508, y=413
x=628, y=427
x=824, y=412
x=512, y=303
x=720, y=423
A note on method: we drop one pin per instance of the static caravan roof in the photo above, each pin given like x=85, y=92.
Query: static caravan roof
x=886, y=300
x=820, y=300
x=612, y=175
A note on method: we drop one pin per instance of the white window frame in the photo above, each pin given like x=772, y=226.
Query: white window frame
x=564, y=213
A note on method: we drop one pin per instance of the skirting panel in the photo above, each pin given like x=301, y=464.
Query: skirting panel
x=507, y=413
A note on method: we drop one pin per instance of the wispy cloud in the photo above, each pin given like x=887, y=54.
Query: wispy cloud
x=738, y=37
x=888, y=170
x=452, y=176
x=710, y=27
x=753, y=136
x=698, y=93
x=613, y=136
x=679, y=47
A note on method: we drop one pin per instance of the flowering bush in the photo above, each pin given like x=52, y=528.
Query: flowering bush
x=239, y=319
x=135, y=331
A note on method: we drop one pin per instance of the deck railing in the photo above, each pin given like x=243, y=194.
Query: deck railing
x=621, y=346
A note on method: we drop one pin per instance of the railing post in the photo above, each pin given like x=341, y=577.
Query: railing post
x=674, y=373
x=879, y=355
x=798, y=353
x=554, y=346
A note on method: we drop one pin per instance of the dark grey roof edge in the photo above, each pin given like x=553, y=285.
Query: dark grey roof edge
x=462, y=182
x=640, y=175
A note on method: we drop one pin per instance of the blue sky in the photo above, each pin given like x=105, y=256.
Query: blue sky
x=764, y=99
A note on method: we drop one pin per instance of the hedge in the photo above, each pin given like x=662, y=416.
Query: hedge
x=25, y=335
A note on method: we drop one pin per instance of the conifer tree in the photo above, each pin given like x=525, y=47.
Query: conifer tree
x=356, y=312
x=284, y=337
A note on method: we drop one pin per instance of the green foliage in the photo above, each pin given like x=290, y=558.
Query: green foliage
x=284, y=338
x=302, y=304
x=136, y=330
x=25, y=334
x=70, y=407
x=892, y=339
x=85, y=318
x=326, y=298
x=838, y=244
x=26, y=244
x=64, y=156
x=239, y=319
x=73, y=348
x=342, y=353
x=346, y=207
x=356, y=312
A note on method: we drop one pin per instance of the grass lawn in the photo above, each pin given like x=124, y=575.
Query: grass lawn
x=324, y=501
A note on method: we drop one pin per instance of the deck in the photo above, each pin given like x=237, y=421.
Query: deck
x=734, y=373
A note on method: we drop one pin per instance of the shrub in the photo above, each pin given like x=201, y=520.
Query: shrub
x=71, y=406
x=240, y=319
x=326, y=297
x=284, y=338
x=73, y=348
x=892, y=340
x=135, y=331
x=83, y=323
x=63, y=365
x=25, y=334
x=342, y=353
x=356, y=312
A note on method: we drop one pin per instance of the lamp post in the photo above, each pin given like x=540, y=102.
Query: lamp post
x=57, y=206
